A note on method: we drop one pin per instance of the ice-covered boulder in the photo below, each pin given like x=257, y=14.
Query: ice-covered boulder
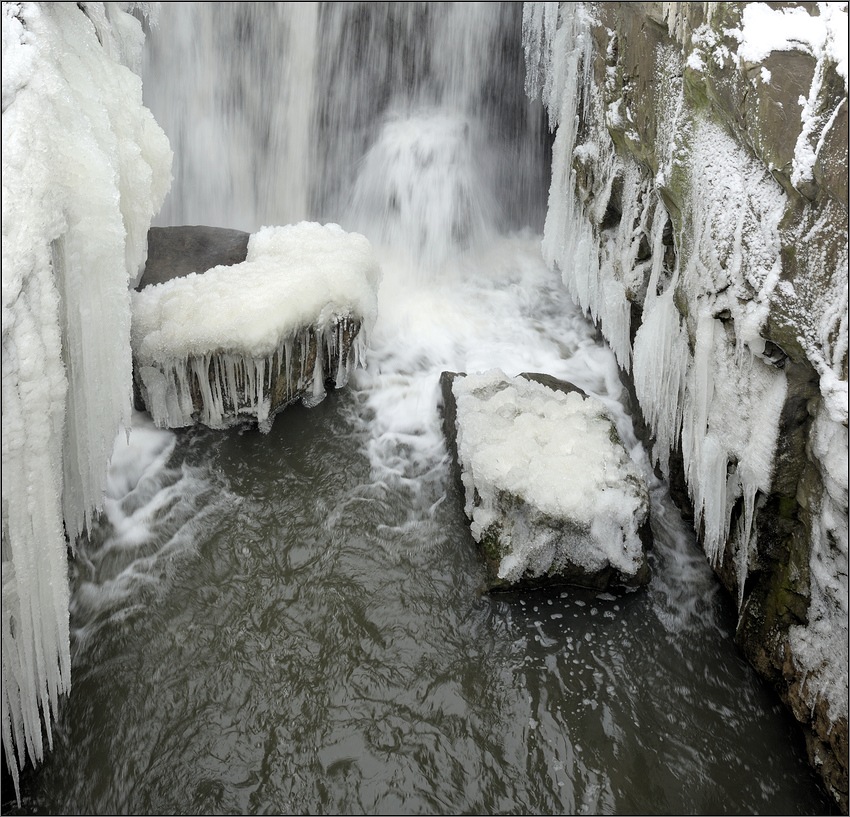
x=243, y=341
x=551, y=493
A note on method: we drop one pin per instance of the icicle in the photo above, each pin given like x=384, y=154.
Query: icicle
x=232, y=390
x=711, y=496
x=184, y=395
x=84, y=168
x=660, y=368
x=288, y=352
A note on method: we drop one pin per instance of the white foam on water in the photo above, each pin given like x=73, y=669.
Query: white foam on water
x=155, y=511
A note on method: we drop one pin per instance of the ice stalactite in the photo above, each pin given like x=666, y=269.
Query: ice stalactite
x=660, y=372
x=218, y=389
x=84, y=169
x=605, y=232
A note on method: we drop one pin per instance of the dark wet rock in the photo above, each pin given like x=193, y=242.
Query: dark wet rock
x=174, y=252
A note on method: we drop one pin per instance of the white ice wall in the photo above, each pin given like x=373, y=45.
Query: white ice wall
x=85, y=167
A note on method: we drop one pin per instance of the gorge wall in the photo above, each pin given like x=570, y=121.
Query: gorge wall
x=698, y=212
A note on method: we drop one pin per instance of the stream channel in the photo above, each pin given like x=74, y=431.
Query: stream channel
x=296, y=622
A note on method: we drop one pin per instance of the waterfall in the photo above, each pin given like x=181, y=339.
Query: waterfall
x=322, y=93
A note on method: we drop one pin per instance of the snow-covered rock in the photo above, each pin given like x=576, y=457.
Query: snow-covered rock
x=551, y=493
x=698, y=212
x=245, y=340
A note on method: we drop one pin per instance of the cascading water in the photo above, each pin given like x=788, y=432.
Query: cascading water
x=294, y=622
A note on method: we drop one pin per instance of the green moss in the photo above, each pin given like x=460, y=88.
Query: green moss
x=491, y=543
x=787, y=507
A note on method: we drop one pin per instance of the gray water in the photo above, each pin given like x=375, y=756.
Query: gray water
x=291, y=651
x=296, y=622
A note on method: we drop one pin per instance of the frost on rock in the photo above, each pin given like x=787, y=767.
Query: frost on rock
x=821, y=647
x=550, y=491
x=248, y=339
x=84, y=169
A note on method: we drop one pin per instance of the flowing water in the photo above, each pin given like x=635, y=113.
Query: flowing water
x=296, y=622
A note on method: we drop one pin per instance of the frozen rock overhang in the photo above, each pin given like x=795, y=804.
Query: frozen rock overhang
x=550, y=491
x=243, y=341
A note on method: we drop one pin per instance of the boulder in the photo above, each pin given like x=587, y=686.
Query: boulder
x=551, y=494
x=174, y=252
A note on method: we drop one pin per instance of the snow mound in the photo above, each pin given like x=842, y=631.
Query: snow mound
x=550, y=490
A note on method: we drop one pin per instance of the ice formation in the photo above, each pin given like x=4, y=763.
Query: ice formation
x=84, y=168
x=554, y=453
x=229, y=331
x=822, y=646
x=735, y=207
x=704, y=380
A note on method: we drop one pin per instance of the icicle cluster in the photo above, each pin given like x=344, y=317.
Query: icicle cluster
x=250, y=338
x=689, y=387
x=218, y=389
x=84, y=168
x=569, y=241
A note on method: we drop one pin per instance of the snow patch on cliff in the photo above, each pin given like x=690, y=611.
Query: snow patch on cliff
x=765, y=29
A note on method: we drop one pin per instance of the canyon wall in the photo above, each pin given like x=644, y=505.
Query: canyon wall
x=698, y=212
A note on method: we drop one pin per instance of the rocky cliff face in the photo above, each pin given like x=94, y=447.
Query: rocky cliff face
x=698, y=211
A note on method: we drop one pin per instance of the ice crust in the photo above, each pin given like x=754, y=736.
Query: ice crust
x=230, y=328
x=84, y=168
x=523, y=444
